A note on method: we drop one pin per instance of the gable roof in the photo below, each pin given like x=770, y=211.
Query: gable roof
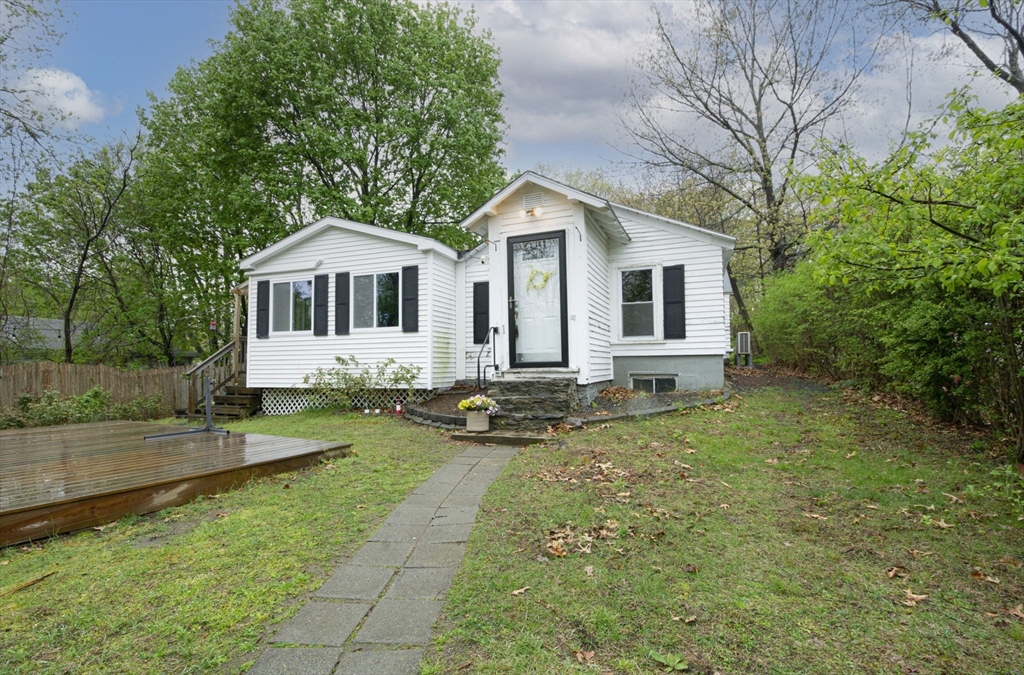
x=600, y=207
x=712, y=237
x=420, y=242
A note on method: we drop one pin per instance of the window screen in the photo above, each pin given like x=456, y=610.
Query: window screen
x=282, y=307
x=362, y=301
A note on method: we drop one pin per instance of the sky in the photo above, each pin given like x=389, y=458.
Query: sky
x=566, y=69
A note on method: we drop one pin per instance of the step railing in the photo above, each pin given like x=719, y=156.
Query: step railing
x=481, y=382
x=221, y=367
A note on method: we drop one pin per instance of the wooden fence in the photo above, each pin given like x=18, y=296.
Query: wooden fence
x=72, y=379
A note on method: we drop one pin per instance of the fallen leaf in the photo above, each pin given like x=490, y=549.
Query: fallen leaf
x=787, y=544
x=222, y=515
x=852, y=454
x=871, y=506
x=1011, y=561
x=912, y=598
x=556, y=549
x=896, y=571
x=954, y=498
x=1017, y=611
x=771, y=461
x=583, y=657
x=943, y=524
x=4, y=562
x=725, y=484
x=991, y=614
x=622, y=494
x=691, y=451
x=978, y=576
x=286, y=486
x=589, y=570
x=724, y=506
x=520, y=591
x=993, y=580
x=815, y=516
x=690, y=619
x=100, y=528
x=914, y=552
x=690, y=568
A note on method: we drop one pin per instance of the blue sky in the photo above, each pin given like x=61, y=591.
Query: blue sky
x=566, y=67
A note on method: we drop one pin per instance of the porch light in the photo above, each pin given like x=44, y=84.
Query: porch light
x=536, y=211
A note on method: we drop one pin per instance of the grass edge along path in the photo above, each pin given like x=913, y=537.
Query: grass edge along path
x=788, y=531
x=192, y=589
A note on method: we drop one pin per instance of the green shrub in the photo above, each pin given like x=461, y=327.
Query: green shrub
x=95, y=405
x=351, y=384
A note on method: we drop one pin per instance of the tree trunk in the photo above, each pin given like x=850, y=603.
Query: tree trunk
x=739, y=298
x=68, y=347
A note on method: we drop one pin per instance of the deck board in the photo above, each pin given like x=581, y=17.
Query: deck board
x=58, y=479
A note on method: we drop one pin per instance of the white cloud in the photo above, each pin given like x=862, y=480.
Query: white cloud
x=65, y=95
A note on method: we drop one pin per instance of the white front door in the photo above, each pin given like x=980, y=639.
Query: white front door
x=537, y=300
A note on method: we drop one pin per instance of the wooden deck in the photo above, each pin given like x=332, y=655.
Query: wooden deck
x=60, y=479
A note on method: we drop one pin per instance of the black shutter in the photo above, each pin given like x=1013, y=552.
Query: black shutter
x=320, y=282
x=341, y=293
x=481, y=311
x=674, y=299
x=262, y=309
x=411, y=299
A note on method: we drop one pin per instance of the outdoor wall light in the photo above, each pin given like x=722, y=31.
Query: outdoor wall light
x=535, y=211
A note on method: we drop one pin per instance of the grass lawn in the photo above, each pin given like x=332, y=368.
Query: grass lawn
x=789, y=531
x=191, y=589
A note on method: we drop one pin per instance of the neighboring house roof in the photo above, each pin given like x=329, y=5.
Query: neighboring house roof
x=292, y=240
x=600, y=207
x=35, y=333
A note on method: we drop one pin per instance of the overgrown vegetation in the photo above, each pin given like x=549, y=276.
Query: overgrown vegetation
x=94, y=405
x=192, y=589
x=786, y=531
x=354, y=385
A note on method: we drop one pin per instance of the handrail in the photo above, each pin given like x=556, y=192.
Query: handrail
x=226, y=349
x=487, y=340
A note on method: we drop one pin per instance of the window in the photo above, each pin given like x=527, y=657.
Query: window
x=375, y=300
x=293, y=306
x=638, y=303
x=654, y=384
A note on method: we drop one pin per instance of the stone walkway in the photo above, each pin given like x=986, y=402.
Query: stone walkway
x=375, y=612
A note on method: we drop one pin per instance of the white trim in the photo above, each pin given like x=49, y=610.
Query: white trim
x=420, y=242
x=709, y=236
x=424, y=284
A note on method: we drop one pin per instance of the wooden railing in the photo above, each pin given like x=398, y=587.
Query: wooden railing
x=224, y=366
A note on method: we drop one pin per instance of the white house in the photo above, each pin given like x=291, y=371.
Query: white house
x=564, y=284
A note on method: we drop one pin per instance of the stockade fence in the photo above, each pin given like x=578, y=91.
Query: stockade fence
x=73, y=379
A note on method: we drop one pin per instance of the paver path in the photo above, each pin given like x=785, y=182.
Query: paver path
x=372, y=614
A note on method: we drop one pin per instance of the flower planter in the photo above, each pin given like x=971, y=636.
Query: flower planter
x=477, y=420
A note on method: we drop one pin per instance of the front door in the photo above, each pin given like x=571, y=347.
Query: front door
x=537, y=299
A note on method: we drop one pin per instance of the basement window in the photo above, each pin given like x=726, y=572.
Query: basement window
x=654, y=384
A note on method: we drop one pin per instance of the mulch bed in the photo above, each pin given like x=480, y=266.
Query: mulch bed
x=448, y=402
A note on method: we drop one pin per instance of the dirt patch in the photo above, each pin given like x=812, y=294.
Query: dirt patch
x=448, y=402
x=760, y=377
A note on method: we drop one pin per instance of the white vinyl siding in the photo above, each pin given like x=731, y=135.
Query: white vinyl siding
x=663, y=244
x=441, y=291
x=282, y=359
x=477, y=268
x=599, y=304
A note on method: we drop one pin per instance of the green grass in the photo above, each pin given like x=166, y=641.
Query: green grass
x=794, y=507
x=192, y=589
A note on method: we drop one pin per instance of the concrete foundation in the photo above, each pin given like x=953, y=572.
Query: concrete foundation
x=692, y=373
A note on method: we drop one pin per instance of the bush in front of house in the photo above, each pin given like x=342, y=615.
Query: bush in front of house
x=95, y=405
x=352, y=384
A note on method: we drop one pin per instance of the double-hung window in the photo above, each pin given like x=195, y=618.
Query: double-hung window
x=375, y=300
x=638, y=303
x=293, y=306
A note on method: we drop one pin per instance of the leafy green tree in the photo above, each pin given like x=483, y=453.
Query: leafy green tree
x=65, y=223
x=381, y=111
x=947, y=220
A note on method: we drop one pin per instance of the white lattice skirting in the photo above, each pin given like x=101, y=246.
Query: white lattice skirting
x=288, y=401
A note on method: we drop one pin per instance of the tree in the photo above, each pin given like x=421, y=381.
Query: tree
x=947, y=221
x=978, y=23
x=66, y=222
x=381, y=111
x=756, y=82
x=27, y=33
